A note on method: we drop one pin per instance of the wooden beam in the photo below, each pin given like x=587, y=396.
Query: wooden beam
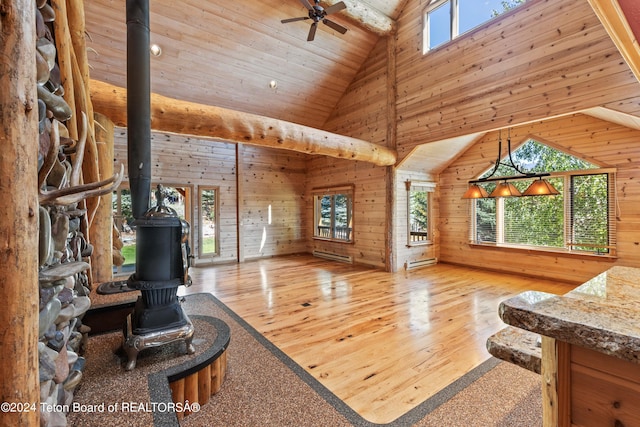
x=187, y=118
x=101, y=229
x=390, y=235
x=19, y=388
x=615, y=23
x=367, y=17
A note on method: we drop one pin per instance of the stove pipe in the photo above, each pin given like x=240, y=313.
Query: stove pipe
x=138, y=105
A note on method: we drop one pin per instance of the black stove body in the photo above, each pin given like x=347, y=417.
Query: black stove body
x=162, y=265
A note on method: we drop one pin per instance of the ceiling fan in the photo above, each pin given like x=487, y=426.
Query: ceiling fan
x=317, y=14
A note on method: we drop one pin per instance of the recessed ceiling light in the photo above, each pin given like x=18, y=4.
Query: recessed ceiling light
x=155, y=50
x=273, y=84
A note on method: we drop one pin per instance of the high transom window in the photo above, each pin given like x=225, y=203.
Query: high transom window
x=580, y=219
x=445, y=20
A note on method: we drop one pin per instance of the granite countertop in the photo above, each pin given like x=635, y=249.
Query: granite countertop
x=602, y=314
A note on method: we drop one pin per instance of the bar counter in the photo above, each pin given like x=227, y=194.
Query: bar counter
x=585, y=344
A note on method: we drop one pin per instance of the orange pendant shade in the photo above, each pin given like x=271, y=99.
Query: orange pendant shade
x=505, y=189
x=475, y=192
x=540, y=187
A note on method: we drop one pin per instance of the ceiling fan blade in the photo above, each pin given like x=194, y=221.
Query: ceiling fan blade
x=335, y=8
x=312, y=32
x=339, y=28
x=284, y=21
x=306, y=4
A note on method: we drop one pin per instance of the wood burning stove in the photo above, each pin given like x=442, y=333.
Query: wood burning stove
x=162, y=255
x=162, y=264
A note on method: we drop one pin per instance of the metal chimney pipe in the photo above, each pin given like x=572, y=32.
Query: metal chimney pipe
x=138, y=105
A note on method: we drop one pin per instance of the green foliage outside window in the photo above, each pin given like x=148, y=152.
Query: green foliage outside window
x=418, y=206
x=540, y=221
x=506, y=6
x=333, y=216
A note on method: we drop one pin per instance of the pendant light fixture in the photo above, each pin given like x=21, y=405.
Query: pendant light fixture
x=539, y=187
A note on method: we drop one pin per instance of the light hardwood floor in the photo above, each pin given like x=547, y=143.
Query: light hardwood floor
x=381, y=342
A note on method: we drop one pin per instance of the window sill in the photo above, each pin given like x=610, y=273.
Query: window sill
x=327, y=239
x=420, y=244
x=541, y=251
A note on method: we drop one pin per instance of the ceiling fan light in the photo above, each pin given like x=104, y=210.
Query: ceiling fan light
x=505, y=189
x=475, y=192
x=541, y=187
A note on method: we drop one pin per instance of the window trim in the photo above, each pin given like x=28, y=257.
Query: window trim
x=612, y=206
x=426, y=23
x=317, y=193
x=429, y=188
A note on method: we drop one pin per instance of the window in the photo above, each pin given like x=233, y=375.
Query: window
x=445, y=20
x=438, y=26
x=419, y=213
x=208, y=221
x=333, y=214
x=123, y=218
x=580, y=219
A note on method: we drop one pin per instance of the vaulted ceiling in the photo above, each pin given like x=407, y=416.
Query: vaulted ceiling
x=226, y=53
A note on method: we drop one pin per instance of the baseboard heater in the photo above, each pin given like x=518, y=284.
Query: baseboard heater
x=411, y=265
x=334, y=257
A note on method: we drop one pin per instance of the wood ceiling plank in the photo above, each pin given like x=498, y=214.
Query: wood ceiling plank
x=614, y=21
x=225, y=54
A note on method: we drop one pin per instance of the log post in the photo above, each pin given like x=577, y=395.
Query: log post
x=90, y=168
x=101, y=227
x=81, y=82
x=63, y=46
x=392, y=141
x=19, y=207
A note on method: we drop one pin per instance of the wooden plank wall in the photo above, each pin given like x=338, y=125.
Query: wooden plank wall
x=272, y=198
x=369, y=203
x=270, y=177
x=594, y=139
x=361, y=113
x=542, y=60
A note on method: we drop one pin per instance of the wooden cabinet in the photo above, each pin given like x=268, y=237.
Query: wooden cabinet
x=605, y=390
x=591, y=388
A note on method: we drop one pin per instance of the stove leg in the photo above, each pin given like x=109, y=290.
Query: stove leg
x=130, y=345
x=132, y=356
x=190, y=348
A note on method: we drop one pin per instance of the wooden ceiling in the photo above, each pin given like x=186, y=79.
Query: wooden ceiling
x=225, y=53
